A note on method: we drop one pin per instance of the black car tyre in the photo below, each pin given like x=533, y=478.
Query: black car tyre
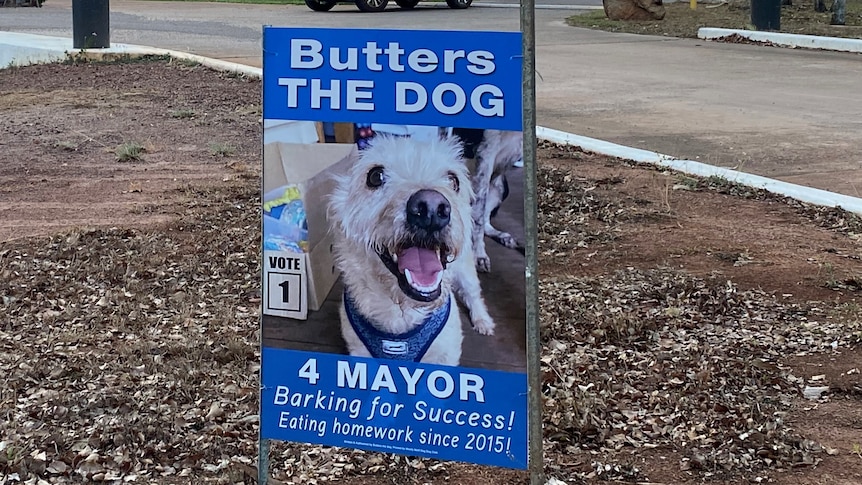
x=320, y=5
x=372, y=5
x=459, y=3
x=407, y=4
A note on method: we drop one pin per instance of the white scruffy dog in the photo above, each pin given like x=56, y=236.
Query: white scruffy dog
x=403, y=245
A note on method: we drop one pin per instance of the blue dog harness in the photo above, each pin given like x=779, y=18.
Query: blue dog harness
x=409, y=346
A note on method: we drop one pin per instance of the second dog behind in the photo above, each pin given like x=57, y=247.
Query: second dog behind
x=495, y=152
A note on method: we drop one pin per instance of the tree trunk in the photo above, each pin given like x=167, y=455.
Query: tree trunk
x=819, y=6
x=839, y=8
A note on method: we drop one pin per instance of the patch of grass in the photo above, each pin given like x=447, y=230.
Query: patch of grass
x=730, y=187
x=835, y=280
x=73, y=59
x=129, y=152
x=184, y=62
x=252, y=109
x=718, y=182
x=687, y=182
x=829, y=274
x=12, y=455
x=221, y=149
x=97, y=58
x=681, y=21
x=182, y=114
x=234, y=75
x=68, y=146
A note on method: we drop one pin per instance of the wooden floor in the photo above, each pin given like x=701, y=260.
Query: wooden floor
x=504, y=291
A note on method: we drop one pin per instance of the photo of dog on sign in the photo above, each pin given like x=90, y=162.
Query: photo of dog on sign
x=402, y=215
x=404, y=249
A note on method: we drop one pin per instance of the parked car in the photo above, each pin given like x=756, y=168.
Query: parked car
x=377, y=5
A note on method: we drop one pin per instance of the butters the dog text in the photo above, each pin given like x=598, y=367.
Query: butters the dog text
x=447, y=98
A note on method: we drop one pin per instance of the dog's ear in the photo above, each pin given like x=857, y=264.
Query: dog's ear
x=456, y=140
x=457, y=153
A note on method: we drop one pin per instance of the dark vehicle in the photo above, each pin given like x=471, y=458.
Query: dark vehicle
x=377, y=5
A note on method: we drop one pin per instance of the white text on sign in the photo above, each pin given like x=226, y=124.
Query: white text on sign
x=447, y=98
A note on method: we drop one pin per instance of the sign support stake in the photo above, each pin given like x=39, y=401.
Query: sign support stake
x=263, y=461
x=263, y=444
x=534, y=347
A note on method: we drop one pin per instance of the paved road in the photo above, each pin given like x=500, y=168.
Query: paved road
x=794, y=115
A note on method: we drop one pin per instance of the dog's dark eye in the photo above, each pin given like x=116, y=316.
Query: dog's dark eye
x=456, y=184
x=375, y=177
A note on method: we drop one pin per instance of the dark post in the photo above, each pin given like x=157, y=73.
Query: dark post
x=839, y=10
x=91, y=24
x=534, y=343
x=766, y=14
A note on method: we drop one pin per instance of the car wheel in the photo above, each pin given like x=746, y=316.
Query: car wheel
x=320, y=5
x=459, y=3
x=407, y=4
x=371, y=5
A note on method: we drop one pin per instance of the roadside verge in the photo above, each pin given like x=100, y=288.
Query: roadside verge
x=23, y=49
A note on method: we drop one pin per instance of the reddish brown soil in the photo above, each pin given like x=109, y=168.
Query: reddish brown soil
x=758, y=241
x=63, y=125
x=59, y=171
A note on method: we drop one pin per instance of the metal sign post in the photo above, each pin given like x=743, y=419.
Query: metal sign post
x=534, y=348
x=262, y=460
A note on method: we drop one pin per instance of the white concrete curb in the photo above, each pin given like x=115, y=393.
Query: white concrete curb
x=22, y=49
x=785, y=40
x=798, y=192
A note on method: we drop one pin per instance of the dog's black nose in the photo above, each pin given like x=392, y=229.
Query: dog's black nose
x=428, y=210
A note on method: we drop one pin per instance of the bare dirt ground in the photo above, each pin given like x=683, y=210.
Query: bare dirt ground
x=684, y=321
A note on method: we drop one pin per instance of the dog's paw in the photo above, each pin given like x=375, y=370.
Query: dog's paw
x=483, y=264
x=507, y=240
x=484, y=326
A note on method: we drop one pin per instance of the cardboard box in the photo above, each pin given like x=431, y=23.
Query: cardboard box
x=344, y=133
x=299, y=267
x=289, y=131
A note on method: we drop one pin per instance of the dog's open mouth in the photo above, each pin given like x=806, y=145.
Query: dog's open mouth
x=419, y=269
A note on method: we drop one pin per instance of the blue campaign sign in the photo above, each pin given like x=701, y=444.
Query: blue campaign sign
x=364, y=130
x=433, y=78
x=449, y=413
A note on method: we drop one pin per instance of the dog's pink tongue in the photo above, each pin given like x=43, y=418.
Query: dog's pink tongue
x=424, y=264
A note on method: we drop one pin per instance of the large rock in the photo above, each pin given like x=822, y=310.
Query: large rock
x=634, y=9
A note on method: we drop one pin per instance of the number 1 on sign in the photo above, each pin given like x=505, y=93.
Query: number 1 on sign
x=285, y=291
